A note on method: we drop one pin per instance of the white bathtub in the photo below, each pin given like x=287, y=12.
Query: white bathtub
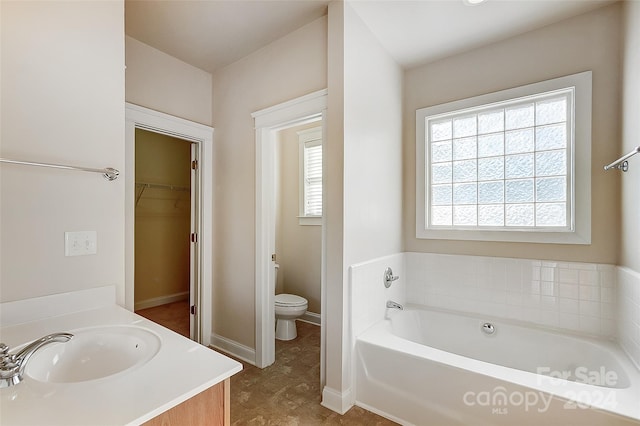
x=430, y=367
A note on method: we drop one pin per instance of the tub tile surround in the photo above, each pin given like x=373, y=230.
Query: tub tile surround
x=629, y=312
x=579, y=297
x=600, y=300
x=368, y=293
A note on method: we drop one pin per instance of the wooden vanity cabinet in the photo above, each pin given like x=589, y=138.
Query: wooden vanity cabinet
x=210, y=408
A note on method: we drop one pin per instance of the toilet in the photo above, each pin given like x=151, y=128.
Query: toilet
x=288, y=307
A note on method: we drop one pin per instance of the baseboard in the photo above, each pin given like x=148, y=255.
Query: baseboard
x=162, y=300
x=336, y=401
x=233, y=348
x=311, y=317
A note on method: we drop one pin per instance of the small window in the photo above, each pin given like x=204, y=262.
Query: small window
x=504, y=166
x=310, y=176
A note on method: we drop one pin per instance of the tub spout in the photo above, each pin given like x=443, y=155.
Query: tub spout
x=394, y=305
x=12, y=366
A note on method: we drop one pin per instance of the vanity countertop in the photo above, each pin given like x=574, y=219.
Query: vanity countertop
x=180, y=370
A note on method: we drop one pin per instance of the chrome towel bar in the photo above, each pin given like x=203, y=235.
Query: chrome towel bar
x=108, y=173
x=622, y=163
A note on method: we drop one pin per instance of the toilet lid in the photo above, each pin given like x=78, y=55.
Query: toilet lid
x=290, y=300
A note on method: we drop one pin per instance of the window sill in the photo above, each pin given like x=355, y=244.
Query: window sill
x=577, y=237
x=310, y=220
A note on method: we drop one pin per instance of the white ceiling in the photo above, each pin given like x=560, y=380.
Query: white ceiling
x=211, y=34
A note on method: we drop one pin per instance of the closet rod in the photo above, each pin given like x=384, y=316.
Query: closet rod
x=108, y=173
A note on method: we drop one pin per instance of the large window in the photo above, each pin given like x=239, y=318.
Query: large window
x=310, y=176
x=503, y=166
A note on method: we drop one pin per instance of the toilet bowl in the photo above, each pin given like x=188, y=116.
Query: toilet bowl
x=288, y=307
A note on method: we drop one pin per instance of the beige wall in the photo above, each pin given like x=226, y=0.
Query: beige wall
x=62, y=102
x=163, y=218
x=163, y=83
x=630, y=256
x=290, y=67
x=299, y=247
x=364, y=185
x=587, y=42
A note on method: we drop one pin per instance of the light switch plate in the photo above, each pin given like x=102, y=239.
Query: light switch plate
x=80, y=243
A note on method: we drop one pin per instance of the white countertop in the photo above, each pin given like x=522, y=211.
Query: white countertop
x=181, y=369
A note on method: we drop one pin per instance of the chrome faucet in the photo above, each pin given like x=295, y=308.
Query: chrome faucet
x=394, y=305
x=12, y=366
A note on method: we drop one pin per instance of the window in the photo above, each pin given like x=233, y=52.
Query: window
x=310, y=176
x=508, y=166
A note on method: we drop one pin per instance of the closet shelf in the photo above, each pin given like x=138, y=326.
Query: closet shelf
x=145, y=185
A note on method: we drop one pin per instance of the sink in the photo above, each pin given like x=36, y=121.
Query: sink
x=94, y=353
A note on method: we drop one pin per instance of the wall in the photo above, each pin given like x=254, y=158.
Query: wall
x=163, y=219
x=587, y=42
x=630, y=255
x=62, y=102
x=163, y=83
x=290, y=67
x=629, y=273
x=364, y=140
x=298, y=247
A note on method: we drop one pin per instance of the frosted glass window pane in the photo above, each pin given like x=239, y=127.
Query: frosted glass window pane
x=491, y=215
x=465, y=215
x=490, y=168
x=464, y=149
x=551, y=214
x=441, y=173
x=551, y=137
x=491, y=192
x=519, y=141
x=519, y=191
x=441, y=131
x=551, y=111
x=464, y=171
x=551, y=189
x=441, y=195
x=519, y=166
x=491, y=145
x=549, y=163
x=441, y=151
x=441, y=215
x=519, y=215
x=490, y=122
x=463, y=127
x=519, y=117
x=465, y=193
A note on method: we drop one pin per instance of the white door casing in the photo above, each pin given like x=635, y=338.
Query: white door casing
x=268, y=122
x=158, y=122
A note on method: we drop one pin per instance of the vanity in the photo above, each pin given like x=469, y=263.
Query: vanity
x=118, y=368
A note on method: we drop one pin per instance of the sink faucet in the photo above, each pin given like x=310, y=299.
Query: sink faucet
x=12, y=366
x=394, y=305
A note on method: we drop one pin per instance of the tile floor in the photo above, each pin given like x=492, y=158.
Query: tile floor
x=286, y=393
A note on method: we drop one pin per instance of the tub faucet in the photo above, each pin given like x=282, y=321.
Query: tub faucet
x=394, y=305
x=12, y=366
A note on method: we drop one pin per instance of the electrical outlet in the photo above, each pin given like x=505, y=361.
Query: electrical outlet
x=80, y=243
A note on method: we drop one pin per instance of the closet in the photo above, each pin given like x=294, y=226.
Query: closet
x=163, y=229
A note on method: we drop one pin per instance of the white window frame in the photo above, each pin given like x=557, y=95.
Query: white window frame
x=579, y=167
x=306, y=138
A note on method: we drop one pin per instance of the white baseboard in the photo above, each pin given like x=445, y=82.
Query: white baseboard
x=162, y=300
x=233, y=348
x=336, y=401
x=311, y=317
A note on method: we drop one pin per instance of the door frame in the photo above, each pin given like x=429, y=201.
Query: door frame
x=158, y=122
x=267, y=123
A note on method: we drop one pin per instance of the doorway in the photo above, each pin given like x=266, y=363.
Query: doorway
x=196, y=141
x=268, y=123
x=164, y=275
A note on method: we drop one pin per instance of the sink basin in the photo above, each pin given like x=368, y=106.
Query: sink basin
x=94, y=353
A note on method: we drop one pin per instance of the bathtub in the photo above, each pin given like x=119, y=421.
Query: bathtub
x=434, y=367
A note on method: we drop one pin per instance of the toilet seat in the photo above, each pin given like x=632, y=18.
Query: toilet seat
x=290, y=300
